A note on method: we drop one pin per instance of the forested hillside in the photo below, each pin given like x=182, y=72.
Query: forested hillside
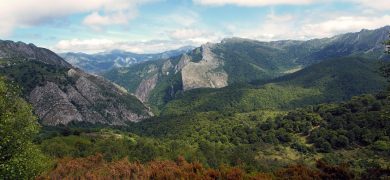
x=352, y=135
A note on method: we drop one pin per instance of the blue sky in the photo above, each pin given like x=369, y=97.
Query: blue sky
x=157, y=25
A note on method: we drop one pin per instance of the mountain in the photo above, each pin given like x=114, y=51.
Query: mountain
x=100, y=62
x=237, y=61
x=61, y=94
x=328, y=81
x=10, y=49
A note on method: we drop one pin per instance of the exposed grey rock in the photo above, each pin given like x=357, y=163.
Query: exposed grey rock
x=166, y=67
x=52, y=105
x=88, y=100
x=68, y=94
x=89, y=90
x=206, y=73
x=145, y=87
x=184, y=60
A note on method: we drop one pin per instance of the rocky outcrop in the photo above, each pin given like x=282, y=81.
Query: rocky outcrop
x=89, y=99
x=52, y=105
x=145, y=87
x=62, y=94
x=166, y=67
x=207, y=73
x=184, y=60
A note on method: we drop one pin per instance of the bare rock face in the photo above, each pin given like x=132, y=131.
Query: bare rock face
x=52, y=105
x=90, y=99
x=145, y=87
x=88, y=89
x=184, y=60
x=166, y=67
x=66, y=94
x=207, y=73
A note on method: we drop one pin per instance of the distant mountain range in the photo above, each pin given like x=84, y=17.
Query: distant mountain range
x=241, y=61
x=100, y=62
x=62, y=94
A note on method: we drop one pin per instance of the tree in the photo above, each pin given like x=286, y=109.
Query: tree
x=19, y=157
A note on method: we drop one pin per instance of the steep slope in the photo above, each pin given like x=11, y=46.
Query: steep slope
x=339, y=78
x=101, y=62
x=328, y=81
x=61, y=94
x=240, y=61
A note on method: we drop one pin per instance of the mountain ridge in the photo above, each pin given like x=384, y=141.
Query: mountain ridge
x=61, y=94
x=242, y=61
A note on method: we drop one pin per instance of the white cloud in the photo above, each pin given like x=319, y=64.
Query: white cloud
x=274, y=27
x=89, y=45
x=26, y=13
x=344, y=24
x=96, y=20
x=182, y=17
x=382, y=5
x=252, y=2
x=118, y=12
x=186, y=33
x=280, y=27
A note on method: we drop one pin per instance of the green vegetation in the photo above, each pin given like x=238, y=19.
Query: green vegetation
x=353, y=132
x=19, y=157
x=247, y=60
x=239, y=99
x=28, y=73
x=257, y=127
x=306, y=124
x=329, y=81
x=130, y=77
x=165, y=91
x=253, y=127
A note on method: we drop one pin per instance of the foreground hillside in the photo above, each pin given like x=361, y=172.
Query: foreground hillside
x=352, y=136
x=62, y=94
x=94, y=167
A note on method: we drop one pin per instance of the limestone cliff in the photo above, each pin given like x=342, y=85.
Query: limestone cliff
x=146, y=86
x=207, y=73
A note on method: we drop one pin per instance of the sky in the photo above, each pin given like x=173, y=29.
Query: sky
x=149, y=26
